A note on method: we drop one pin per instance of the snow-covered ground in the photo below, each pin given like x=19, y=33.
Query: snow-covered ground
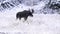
x=41, y=24
x=38, y=24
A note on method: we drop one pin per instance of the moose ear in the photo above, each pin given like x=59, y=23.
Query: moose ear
x=32, y=11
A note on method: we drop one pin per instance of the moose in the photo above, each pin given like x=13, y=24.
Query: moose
x=24, y=14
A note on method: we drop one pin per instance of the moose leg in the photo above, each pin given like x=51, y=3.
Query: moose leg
x=25, y=18
x=19, y=18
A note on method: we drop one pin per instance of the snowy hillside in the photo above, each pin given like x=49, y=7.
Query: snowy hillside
x=39, y=24
x=42, y=22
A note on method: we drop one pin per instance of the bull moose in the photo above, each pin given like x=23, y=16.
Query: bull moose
x=24, y=14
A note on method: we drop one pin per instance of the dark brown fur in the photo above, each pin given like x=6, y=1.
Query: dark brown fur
x=24, y=14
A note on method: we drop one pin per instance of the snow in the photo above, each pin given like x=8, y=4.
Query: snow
x=38, y=24
x=44, y=24
x=58, y=0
